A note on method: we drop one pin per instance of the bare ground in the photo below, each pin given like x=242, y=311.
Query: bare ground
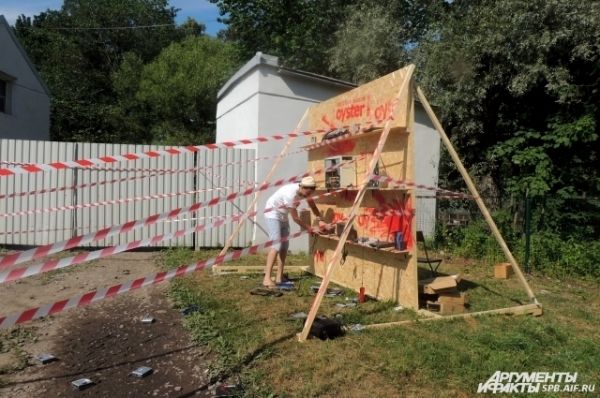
x=103, y=342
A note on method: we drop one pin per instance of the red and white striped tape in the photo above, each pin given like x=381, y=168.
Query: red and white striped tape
x=94, y=162
x=52, y=265
x=157, y=172
x=93, y=184
x=191, y=170
x=86, y=163
x=107, y=202
x=168, y=171
x=72, y=187
x=402, y=183
x=101, y=294
x=42, y=251
x=448, y=196
x=31, y=231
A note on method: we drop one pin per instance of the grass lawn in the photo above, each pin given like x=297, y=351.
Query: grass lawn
x=255, y=339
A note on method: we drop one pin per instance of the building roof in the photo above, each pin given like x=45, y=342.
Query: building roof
x=272, y=61
x=4, y=22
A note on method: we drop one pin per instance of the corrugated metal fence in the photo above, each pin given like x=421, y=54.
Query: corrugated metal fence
x=219, y=173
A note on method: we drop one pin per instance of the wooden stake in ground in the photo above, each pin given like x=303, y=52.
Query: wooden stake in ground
x=352, y=214
x=267, y=178
x=473, y=190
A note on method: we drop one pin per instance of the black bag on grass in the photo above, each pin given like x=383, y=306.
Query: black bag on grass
x=325, y=328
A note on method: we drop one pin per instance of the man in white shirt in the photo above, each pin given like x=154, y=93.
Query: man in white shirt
x=283, y=202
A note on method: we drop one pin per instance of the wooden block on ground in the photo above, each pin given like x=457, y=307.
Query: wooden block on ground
x=445, y=308
x=451, y=308
x=502, y=270
x=435, y=285
x=459, y=298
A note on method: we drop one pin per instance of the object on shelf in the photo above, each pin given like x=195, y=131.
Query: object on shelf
x=344, y=176
x=381, y=244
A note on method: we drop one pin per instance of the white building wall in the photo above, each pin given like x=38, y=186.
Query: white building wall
x=28, y=115
x=237, y=111
x=427, y=160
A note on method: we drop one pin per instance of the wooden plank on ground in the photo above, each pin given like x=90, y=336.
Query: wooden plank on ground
x=255, y=269
x=533, y=309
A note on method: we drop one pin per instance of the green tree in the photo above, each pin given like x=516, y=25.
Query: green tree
x=179, y=88
x=518, y=86
x=378, y=37
x=77, y=62
x=300, y=32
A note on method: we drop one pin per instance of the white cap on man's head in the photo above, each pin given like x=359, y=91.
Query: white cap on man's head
x=308, y=182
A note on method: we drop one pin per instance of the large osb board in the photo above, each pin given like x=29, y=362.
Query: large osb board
x=384, y=274
x=372, y=102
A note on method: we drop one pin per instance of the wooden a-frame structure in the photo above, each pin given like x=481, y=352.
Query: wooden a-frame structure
x=386, y=150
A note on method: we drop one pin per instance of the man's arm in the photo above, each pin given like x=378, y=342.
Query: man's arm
x=297, y=220
x=315, y=210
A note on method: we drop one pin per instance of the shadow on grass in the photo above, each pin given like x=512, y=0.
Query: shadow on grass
x=237, y=368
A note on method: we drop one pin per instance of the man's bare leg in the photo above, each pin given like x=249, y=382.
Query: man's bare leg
x=267, y=281
x=282, y=257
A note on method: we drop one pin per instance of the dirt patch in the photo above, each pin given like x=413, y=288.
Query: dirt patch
x=104, y=342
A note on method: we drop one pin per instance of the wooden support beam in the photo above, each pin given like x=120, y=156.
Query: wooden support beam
x=533, y=309
x=256, y=196
x=475, y=193
x=353, y=211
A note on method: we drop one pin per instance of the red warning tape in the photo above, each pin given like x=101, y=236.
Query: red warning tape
x=101, y=294
x=42, y=251
x=94, y=162
x=387, y=179
x=54, y=264
x=107, y=202
x=161, y=171
x=31, y=231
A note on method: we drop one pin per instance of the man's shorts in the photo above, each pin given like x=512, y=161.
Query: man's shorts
x=278, y=229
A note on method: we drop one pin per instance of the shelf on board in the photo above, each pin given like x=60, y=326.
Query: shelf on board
x=385, y=249
x=352, y=188
x=350, y=136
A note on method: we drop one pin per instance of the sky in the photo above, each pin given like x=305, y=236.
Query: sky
x=201, y=10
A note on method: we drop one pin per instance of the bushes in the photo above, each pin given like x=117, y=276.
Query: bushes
x=550, y=254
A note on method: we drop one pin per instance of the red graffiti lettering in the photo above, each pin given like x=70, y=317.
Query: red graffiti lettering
x=319, y=256
x=349, y=112
x=326, y=120
x=338, y=217
x=391, y=217
x=383, y=111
